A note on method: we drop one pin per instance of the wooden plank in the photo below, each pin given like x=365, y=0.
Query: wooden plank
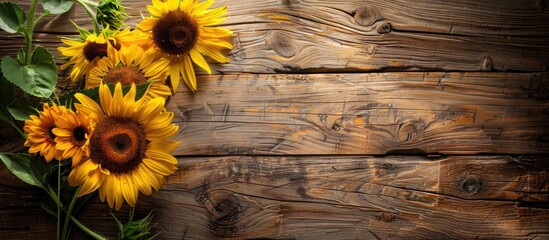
x=338, y=197
x=318, y=36
x=421, y=113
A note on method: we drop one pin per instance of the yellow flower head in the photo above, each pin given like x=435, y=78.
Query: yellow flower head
x=84, y=53
x=129, y=146
x=72, y=133
x=40, y=138
x=184, y=31
x=132, y=65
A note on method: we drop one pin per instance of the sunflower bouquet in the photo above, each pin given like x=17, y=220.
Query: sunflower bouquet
x=113, y=134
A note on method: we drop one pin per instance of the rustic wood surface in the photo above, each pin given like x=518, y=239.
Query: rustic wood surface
x=318, y=36
x=328, y=197
x=345, y=119
x=381, y=113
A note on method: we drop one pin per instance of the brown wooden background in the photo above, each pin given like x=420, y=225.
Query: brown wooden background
x=348, y=119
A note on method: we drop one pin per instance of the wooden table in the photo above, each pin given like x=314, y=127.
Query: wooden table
x=347, y=119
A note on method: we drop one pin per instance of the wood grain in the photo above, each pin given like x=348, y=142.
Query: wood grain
x=344, y=119
x=385, y=113
x=336, y=197
x=318, y=36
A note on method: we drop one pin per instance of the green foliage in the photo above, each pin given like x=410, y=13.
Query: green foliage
x=21, y=109
x=135, y=230
x=5, y=115
x=57, y=6
x=21, y=55
x=38, y=79
x=27, y=168
x=83, y=32
x=111, y=14
x=7, y=91
x=12, y=18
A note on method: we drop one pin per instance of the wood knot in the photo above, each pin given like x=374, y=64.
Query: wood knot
x=281, y=44
x=487, y=63
x=471, y=185
x=289, y=2
x=366, y=15
x=409, y=131
x=386, y=217
x=386, y=169
x=384, y=28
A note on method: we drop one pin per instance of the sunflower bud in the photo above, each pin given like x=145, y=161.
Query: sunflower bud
x=111, y=14
x=134, y=230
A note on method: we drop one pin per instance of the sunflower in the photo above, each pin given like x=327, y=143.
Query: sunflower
x=84, y=53
x=132, y=65
x=183, y=31
x=72, y=132
x=40, y=138
x=129, y=146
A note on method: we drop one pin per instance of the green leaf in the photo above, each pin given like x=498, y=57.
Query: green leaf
x=21, y=55
x=21, y=109
x=5, y=115
x=12, y=18
x=7, y=91
x=83, y=32
x=57, y=6
x=20, y=166
x=38, y=79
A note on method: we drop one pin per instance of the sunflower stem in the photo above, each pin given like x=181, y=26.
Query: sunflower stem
x=82, y=227
x=29, y=32
x=53, y=195
x=69, y=214
x=86, y=229
x=23, y=135
x=87, y=6
x=58, y=192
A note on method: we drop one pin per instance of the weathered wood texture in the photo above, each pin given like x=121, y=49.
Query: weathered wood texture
x=299, y=112
x=449, y=113
x=327, y=36
x=242, y=197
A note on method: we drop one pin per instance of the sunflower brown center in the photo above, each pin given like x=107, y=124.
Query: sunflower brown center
x=175, y=33
x=92, y=50
x=79, y=135
x=51, y=134
x=126, y=75
x=118, y=144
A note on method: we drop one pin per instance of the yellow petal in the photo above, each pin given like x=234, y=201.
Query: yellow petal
x=150, y=109
x=78, y=174
x=92, y=183
x=160, y=134
x=203, y=6
x=116, y=105
x=167, y=146
x=147, y=24
x=141, y=181
x=105, y=98
x=211, y=52
x=129, y=191
x=161, y=156
x=158, y=167
x=88, y=105
x=199, y=60
x=174, y=75
x=188, y=72
x=155, y=11
x=217, y=43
